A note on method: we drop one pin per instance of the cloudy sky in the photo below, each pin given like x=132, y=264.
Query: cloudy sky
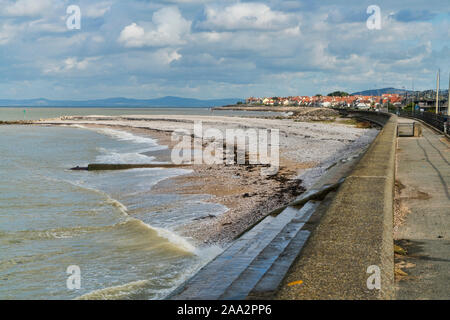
x=219, y=49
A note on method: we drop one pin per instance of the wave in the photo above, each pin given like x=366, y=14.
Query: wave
x=172, y=237
x=116, y=292
x=58, y=233
x=119, y=205
x=128, y=136
x=176, y=240
x=121, y=135
x=146, y=144
x=126, y=158
x=143, y=289
x=77, y=184
x=131, y=224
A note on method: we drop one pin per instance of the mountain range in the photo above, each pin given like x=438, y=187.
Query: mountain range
x=168, y=101
x=375, y=92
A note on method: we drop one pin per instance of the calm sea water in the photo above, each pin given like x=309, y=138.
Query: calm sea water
x=7, y=113
x=124, y=239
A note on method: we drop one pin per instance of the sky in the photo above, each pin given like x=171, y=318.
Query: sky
x=219, y=49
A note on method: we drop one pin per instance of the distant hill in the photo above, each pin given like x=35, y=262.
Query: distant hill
x=168, y=101
x=375, y=92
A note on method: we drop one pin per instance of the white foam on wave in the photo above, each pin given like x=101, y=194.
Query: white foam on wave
x=175, y=239
x=127, y=158
x=127, y=136
x=115, y=292
x=119, y=205
x=178, y=241
x=172, y=237
x=80, y=126
x=122, y=135
x=146, y=144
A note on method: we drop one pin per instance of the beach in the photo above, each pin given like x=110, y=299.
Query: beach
x=307, y=150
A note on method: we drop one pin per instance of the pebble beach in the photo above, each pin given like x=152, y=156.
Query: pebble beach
x=307, y=150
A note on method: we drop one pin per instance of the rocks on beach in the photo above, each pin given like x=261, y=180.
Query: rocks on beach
x=315, y=114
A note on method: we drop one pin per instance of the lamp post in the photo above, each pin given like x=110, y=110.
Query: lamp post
x=437, y=91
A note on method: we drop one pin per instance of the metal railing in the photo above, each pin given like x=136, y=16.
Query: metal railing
x=440, y=122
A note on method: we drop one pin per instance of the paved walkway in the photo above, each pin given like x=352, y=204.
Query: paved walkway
x=423, y=170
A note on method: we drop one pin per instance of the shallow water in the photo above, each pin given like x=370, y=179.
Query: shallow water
x=124, y=239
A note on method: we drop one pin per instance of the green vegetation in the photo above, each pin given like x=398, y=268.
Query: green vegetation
x=391, y=107
x=239, y=102
x=409, y=107
x=338, y=94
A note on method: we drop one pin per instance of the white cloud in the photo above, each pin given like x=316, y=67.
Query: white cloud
x=132, y=36
x=42, y=25
x=97, y=10
x=168, y=56
x=70, y=64
x=28, y=8
x=276, y=47
x=97, y=39
x=248, y=15
x=168, y=28
x=8, y=32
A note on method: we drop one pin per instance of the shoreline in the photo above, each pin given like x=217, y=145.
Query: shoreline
x=241, y=188
x=246, y=194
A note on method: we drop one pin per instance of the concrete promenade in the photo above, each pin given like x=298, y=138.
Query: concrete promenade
x=354, y=232
x=423, y=174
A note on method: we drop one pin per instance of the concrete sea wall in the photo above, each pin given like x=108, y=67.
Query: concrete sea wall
x=356, y=230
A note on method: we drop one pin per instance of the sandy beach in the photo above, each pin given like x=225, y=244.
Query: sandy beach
x=307, y=150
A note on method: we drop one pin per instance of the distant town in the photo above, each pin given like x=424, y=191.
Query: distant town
x=357, y=101
x=424, y=100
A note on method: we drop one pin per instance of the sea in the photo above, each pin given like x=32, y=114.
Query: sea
x=92, y=235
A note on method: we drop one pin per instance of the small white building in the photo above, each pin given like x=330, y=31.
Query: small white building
x=362, y=105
